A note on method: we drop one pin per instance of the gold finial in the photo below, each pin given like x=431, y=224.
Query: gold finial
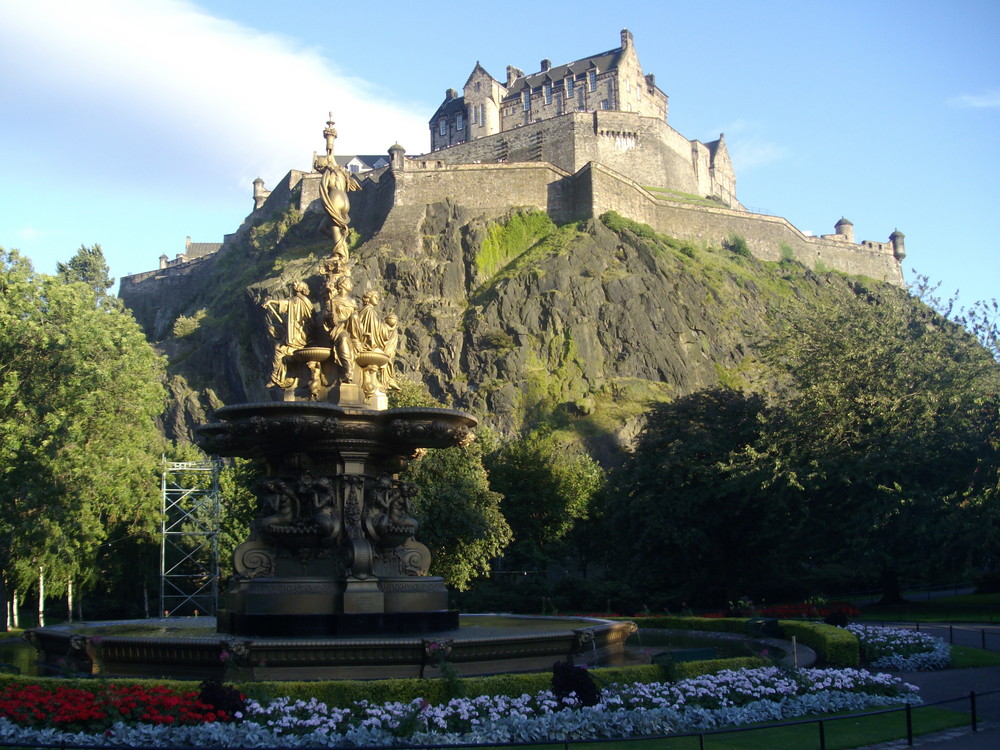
x=331, y=134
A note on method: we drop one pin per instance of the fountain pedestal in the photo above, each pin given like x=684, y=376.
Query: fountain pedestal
x=333, y=550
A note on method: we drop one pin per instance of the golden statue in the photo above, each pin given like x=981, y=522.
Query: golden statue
x=336, y=183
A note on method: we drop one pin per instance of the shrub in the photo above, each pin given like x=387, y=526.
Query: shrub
x=185, y=326
x=737, y=245
x=833, y=646
x=568, y=680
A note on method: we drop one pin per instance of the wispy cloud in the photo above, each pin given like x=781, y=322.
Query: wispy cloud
x=748, y=148
x=988, y=100
x=177, y=83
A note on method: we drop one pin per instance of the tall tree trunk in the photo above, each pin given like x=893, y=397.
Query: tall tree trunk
x=15, y=609
x=6, y=605
x=145, y=596
x=69, y=600
x=891, y=591
x=41, y=596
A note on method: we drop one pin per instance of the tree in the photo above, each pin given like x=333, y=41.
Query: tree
x=460, y=516
x=89, y=267
x=80, y=389
x=547, y=487
x=685, y=518
x=888, y=405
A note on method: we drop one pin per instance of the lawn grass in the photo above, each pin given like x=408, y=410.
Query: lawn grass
x=840, y=734
x=980, y=608
x=967, y=657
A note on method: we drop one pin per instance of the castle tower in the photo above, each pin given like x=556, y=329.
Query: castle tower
x=397, y=162
x=845, y=229
x=259, y=193
x=898, y=249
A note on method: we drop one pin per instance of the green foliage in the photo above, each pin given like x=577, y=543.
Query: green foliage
x=88, y=267
x=888, y=430
x=787, y=253
x=185, y=325
x=834, y=646
x=686, y=492
x=460, y=516
x=737, y=245
x=268, y=234
x=79, y=451
x=238, y=508
x=507, y=240
x=546, y=488
x=659, y=242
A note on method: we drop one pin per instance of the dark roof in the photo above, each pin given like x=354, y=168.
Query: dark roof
x=603, y=61
x=449, y=107
x=368, y=160
x=199, y=249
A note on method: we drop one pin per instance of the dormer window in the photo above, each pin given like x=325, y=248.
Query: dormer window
x=593, y=80
x=443, y=127
x=459, y=122
x=570, y=88
x=526, y=97
x=548, y=93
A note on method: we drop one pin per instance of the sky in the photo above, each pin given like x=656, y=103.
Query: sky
x=136, y=124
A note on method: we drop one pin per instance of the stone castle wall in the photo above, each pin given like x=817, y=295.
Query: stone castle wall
x=768, y=237
x=645, y=148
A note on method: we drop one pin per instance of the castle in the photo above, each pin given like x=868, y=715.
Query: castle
x=575, y=140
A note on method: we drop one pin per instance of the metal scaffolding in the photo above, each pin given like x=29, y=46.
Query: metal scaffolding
x=189, y=538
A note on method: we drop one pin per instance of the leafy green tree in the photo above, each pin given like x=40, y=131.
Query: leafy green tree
x=80, y=390
x=460, y=517
x=89, y=267
x=888, y=405
x=686, y=520
x=547, y=488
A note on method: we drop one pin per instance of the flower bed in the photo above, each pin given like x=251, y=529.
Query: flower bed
x=901, y=650
x=706, y=702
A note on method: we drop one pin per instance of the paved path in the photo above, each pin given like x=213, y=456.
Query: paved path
x=950, y=684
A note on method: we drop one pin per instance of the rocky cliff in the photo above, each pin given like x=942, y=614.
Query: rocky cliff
x=512, y=318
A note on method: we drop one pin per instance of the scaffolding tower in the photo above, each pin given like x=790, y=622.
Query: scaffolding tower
x=189, y=538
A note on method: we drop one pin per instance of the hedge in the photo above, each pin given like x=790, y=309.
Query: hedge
x=833, y=646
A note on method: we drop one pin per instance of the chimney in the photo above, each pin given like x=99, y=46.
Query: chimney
x=450, y=94
x=546, y=64
x=626, y=38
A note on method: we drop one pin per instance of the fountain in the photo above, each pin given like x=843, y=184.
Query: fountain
x=332, y=581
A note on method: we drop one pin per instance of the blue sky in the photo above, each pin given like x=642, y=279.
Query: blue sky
x=136, y=124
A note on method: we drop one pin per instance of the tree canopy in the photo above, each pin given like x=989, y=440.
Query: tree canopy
x=873, y=454
x=89, y=267
x=80, y=390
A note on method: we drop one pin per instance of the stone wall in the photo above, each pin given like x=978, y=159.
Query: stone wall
x=645, y=148
x=768, y=237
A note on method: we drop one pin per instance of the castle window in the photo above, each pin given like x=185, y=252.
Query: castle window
x=459, y=122
x=548, y=93
x=443, y=127
x=570, y=87
x=527, y=99
x=593, y=80
x=477, y=86
x=482, y=114
x=475, y=115
x=605, y=104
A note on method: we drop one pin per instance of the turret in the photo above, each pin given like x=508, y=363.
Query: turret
x=164, y=259
x=845, y=229
x=397, y=161
x=898, y=250
x=259, y=193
